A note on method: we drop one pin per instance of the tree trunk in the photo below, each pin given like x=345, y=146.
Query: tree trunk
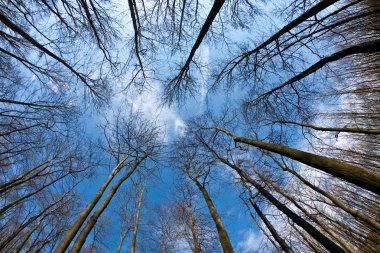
x=357, y=130
x=19, y=200
x=194, y=233
x=28, y=222
x=272, y=230
x=355, y=213
x=94, y=218
x=65, y=242
x=222, y=232
x=29, y=234
x=316, y=234
x=137, y=219
x=357, y=175
x=122, y=239
x=279, y=250
x=327, y=229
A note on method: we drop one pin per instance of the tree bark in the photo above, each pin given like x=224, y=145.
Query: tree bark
x=137, y=219
x=30, y=221
x=363, y=48
x=339, y=203
x=124, y=235
x=270, y=227
x=65, y=242
x=362, y=177
x=94, y=218
x=20, y=31
x=358, y=130
x=19, y=200
x=222, y=232
x=197, y=248
x=205, y=28
x=326, y=228
x=294, y=23
x=309, y=228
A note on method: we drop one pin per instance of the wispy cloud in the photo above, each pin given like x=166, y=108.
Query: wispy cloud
x=250, y=241
x=149, y=103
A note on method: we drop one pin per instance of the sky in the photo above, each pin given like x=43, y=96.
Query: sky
x=173, y=120
x=242, y=231
x=244, y=235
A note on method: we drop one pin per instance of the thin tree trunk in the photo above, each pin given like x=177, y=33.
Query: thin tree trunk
x=136, y=28
x=21, y=178
x=27, y=236
x=279, y=250
x=122, y=238
x=362, y=177
x=336, y=129
x=4, y=19
x=137, y=219
x=194, y=233
x=19, y=200
x=205, y=28
x=363, y=48
x=94, y=218
x=322, y=5
x=46, y=241
x=355, y=213
x=311, y=217
x=65, y=242
x=28, y=222
x=270, y=227
x=304, y=237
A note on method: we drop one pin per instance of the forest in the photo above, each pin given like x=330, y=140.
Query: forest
x=165, y=126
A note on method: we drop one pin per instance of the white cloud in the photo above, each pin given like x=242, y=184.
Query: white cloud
x=148, y=102
x=250, y=242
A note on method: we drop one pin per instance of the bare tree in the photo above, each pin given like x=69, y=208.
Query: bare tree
x=197, y=168
x=135, y=141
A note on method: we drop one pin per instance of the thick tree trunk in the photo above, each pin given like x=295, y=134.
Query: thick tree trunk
x=362, y=177
x=222, y=232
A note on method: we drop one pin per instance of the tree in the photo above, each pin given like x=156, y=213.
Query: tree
x=198, y=172
x=134, y=142
x=300, y=136
x=307, y=209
